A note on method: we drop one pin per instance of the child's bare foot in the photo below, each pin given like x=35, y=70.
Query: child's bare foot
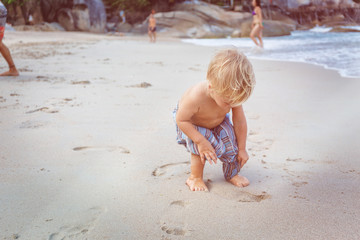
x=239, y=181
x=196, y=184
x=12, y=72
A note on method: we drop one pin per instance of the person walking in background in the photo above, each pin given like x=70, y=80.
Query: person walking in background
x=5, y=52
x=257, y=25
x=152, y=27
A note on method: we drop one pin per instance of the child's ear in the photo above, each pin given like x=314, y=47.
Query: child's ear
x=209, y=86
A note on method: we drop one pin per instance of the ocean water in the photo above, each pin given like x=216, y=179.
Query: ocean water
x=338, y=51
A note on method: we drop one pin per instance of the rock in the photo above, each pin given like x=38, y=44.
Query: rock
x=197, y=20
x=236, y=33
x=55, y=26
x=214, y=14
x=139, y=28
x=277, y=28
x=334, y=21
x=297, y=3
x=45, y=27
x=123, y=27
x=66, y=19
x=187, y=25
x=278, y=16
x=340, y=29
x=97, y=15
x=271, y=28
x=81, y=17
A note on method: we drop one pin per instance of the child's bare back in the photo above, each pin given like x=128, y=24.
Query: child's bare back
x=203, y=123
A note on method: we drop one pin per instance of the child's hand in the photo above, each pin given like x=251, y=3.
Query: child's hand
x=207, y=152
x=242, y=157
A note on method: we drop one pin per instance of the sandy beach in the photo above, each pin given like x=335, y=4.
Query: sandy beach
x=88, y=149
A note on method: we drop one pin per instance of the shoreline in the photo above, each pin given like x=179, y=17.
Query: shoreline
x=87, y=151
x=308, y=46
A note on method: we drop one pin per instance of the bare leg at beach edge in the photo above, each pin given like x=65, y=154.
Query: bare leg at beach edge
x=195, y=181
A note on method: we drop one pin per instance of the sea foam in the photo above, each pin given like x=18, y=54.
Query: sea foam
x=338, y=51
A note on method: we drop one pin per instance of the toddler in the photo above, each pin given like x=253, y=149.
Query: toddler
x=203, y=123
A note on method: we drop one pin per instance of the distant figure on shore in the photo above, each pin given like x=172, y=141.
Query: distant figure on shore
x=203, y=122
x=122, y=16
x=5, y=52
x=152, y=27
x=257, y=25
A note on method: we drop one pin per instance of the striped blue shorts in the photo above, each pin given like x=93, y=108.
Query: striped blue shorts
x=223, y=140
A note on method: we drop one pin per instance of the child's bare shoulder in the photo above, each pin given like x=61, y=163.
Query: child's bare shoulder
x=194, y=94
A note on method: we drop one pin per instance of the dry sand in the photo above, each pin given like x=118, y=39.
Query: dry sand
x=88, y=150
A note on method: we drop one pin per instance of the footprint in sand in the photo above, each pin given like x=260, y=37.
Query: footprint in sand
x=194, y=69
x=42, y=79
x=156, y=63
x=79, y=230
x=299, y=184
x=25, y=69
x=258, y=145
x=300, y=160
x=106, y=148
x=179, y=203
x=171, y=169
x=140, y=85
x=32, y=124
x=43, y=109
x=55, y=102
x=177, y=231
x=80, y=82
x=241, y=195
x=249, y=197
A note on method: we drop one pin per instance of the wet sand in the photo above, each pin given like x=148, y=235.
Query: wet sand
x=88, y=150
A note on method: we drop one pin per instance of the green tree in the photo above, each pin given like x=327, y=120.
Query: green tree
x=130, y=5
x=7, y=2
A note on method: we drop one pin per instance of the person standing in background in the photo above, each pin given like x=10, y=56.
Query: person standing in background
x=257, y=25
x=152, y=27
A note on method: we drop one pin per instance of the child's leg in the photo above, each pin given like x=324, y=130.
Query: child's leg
x=231, y=165
x=195, y=181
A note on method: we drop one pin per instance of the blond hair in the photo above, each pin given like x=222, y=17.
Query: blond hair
x=231, y=76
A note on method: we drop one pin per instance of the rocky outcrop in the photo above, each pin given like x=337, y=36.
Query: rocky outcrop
x=97, y=15
x=340, y=29
x=81, y=15
x=271, y=28
x=123, y=27
x=203, y=20
x=213, y=13
x=314, y=12
x=197, y=20
x=84, y=15
x=43, y=27
x=295, y=4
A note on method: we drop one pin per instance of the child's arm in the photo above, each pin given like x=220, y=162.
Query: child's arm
x=183, y=119
x=240, y=128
